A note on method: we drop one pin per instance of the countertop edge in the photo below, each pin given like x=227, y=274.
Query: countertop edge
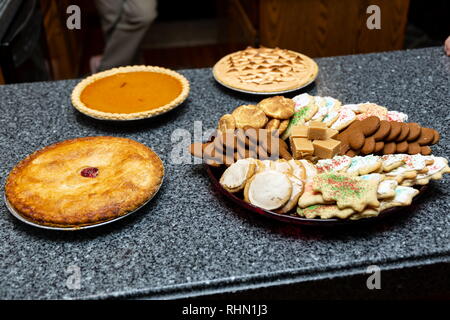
x=258, y=281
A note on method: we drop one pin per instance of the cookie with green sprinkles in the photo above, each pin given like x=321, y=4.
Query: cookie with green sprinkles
x=347, y=190
x=304, y=110
x=324, y=211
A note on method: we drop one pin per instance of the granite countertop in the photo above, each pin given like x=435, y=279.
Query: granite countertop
x=189, y=240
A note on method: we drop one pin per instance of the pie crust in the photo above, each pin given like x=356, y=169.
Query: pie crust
x=52, y=186
x=82, y=107
x=265, y=70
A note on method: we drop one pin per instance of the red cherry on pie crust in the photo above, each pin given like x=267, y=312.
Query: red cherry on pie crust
x=90, y=172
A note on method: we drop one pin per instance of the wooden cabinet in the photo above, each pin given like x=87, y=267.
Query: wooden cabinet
x=64, y=45
x=2, y=81
x=320, y=27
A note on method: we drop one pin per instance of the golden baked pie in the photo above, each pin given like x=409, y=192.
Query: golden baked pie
x=84, y=181
x=129, y=93
x=265, y=70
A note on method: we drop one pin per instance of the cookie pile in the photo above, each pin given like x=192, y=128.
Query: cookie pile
x=394, y=175
x=335, y=115
x=348, y=161
x=342, y=187
x=272, y=185
x=230, y=145
x=372, y=136
x=272, y=114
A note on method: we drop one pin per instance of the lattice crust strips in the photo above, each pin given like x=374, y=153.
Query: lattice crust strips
x=265, y=70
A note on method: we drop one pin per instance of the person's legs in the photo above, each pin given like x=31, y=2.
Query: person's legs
x=110, y=11
x=125, y=37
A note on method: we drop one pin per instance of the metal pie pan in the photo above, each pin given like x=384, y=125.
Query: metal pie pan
x=215, y=173
x=267, y=93
x=24, y=219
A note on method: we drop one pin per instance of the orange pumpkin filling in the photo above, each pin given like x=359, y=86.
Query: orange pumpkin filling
x=131, y=92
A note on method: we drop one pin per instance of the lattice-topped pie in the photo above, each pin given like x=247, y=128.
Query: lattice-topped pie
x=84, y=181
x=265, y=70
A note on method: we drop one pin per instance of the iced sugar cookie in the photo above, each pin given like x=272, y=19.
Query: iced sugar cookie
x=297, y=190
x=336, y=164
x=268, y=189
x=403, y=197
x=347, y=190
x=305, y=108
x=344, y=119
x=324, y=211
x=235, y=176
x=364, y=165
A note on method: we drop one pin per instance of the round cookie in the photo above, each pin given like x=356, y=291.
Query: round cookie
x=402, y=147
x=436, y=137
x=277, y=107
x=425, y=150
x=268, y=189
x=389, y=148
x=352, y=153
x=383, y=130
x=396, y=128
x=414, y=131
x=227, y=122
x=283, y=126
x=344, y=147
x=414, y=148
x=369, y=146
x=379, y=145
x=404, y=133
x=249, y=115
x=356, y=139
x=273, y=125
x=235, y=176
x=426, y=136
x=370, y=125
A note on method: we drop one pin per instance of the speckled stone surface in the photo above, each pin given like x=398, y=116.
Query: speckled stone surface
x=189, y=240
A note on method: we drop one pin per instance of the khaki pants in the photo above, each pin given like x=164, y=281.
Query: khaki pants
x=124, y=24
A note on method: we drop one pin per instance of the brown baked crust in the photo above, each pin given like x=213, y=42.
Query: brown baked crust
x=274, y=70
x=83, y=108
x=47, y=187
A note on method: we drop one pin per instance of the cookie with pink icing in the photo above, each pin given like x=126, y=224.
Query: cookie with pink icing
x=344, y=119
x=396, y=116
x=326, y=105
x=336, y=164
x=372, y=109
x=310, y=197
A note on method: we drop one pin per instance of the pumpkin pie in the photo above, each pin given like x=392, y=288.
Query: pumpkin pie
x=84, y=181
x=265, y=70
x=130, y=93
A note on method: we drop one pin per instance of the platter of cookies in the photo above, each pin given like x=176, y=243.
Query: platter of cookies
x=328, y=163
x=265, y=71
